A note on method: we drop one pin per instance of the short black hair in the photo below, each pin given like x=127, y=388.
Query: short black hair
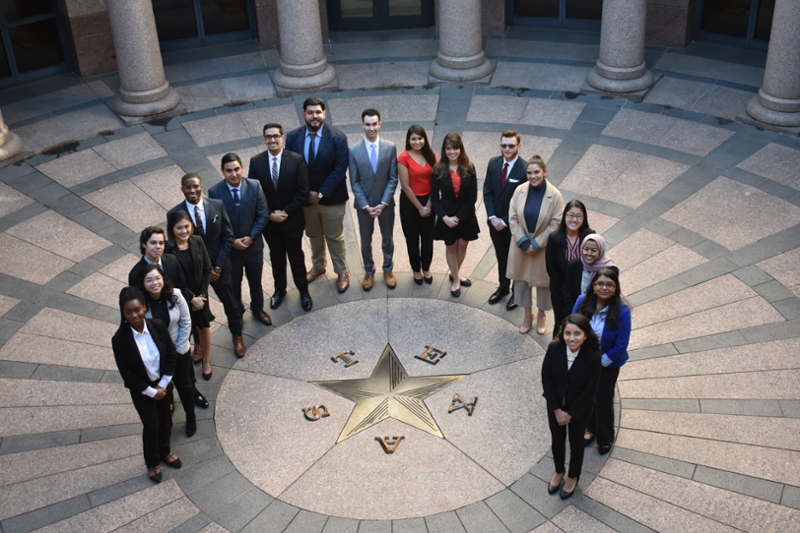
x=148, y=232
x=272, y=125
x=370, y=113
x=128, y=294
x=311, y=100
x=190, y=176
x=230, y=158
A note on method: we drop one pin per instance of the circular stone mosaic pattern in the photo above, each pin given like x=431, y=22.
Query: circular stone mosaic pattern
x=263, y=430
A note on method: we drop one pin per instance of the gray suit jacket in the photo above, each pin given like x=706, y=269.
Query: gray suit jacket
x=372, y=188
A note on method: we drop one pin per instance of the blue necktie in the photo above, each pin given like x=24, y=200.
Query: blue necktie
x=373, y=159
x=236, y=200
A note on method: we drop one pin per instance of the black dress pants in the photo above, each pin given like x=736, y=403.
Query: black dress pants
x=418, y=231
x=501, y=241
x=575, y=430
x=253, y=266
x=602, y=421
x=286, y=242
x=155, y=418
x=184, y=380
x=223, y=288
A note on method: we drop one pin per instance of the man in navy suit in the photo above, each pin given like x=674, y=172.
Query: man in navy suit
x=503, y=175
x=324, y=149
x=211, y=223
x=373, y=175
x=284, y=180
x=247, y=209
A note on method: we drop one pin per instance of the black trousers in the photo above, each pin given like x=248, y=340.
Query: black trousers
x=155, y=418
x=418, y=231
x=501, y=241
x=184, y=380
x=575, y=429
x=283, y=243
x=253, y=266
x=560, y=311
x=223, y=288
x=602, y=421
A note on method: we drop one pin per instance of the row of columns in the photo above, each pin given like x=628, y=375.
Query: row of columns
x=620, y=69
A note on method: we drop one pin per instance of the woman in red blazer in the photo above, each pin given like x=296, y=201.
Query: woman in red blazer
x=570, y=374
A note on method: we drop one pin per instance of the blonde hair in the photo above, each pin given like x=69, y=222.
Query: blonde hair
x=536, y=159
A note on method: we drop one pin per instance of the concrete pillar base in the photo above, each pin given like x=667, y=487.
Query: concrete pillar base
x=287, y=85
x=620, y=80
x=146, y=108
x=482, y=70
x=786, y=119
x=10, y=144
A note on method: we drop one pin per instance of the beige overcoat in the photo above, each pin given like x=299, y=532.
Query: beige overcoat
x=521, y=266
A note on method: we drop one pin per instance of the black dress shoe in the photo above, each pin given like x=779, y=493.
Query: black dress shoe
x=455, y=293
x=418, y=281
x=464, y=282
x=510, y=306
x=305, y=302
x=565, y=495
x=552, y=489
x=276, y=300
x=207, y=376
x=428, y=280
x=589, y=441
x=604, y=449
x=191, y=425
x=498, y=295
x=200, y=400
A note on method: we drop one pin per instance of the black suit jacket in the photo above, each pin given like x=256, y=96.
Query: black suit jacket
x=443, y=197
x=197, y=279
x=555, y=255
x=328, y=173
x=249, y=220
x=218, y=236
x=172, y=269
x=495, y=197
x=129, y=361
x=292, y=193
x=570, y=390
x=572, y=281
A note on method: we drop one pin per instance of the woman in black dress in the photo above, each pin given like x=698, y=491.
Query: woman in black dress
x=145, y=357
x=570, y=374
x=454, y=191
x=191, y=253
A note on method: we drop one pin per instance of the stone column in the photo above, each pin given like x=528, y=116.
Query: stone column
x=621, y=67
x=778, y=99
x=144, y=89
x=303, y=63
x=460, y=56
x=10, y=143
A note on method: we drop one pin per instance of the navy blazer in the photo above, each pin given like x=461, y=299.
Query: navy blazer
x=495, y=197
x=570, y=390
x=328, y=173
x=251, y=217
x=198, y=278
x=443, y=197
x=614, y=342
x=292, y=193
x=218, y=236
x=129, y=360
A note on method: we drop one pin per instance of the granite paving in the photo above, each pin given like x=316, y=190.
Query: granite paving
x=701, y=213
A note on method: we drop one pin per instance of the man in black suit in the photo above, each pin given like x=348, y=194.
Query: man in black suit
x=325, y=152
x=503, y=175
x=212, y=224
x=247, y=208
x=284, y=179
x=151, y=245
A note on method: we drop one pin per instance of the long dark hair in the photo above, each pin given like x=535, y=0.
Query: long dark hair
x=174, y=218
x=583, y=323
x=128, y=294
x=167, y=291
x=584, y=229
x=427, y=151
x=588, y=306
x=452, y=140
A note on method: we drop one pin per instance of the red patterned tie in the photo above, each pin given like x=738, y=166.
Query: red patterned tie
x=503, y=176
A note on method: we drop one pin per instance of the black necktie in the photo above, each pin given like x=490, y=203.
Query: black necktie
x=236, y=200
x=311, y=155
x=198, y=218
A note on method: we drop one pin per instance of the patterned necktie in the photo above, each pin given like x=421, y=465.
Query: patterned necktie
x=275, y=172
x=503, y=176
x=199, y=225
x=373, y=158
x=311, y=154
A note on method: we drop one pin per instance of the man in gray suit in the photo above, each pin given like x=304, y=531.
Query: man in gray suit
x=373, y=176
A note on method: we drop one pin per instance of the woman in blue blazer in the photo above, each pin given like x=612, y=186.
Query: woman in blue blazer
x=610, y=317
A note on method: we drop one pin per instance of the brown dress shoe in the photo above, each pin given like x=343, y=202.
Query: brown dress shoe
x=369, y=281
x=391, y=281
x=312, y=274
x=344, y=282
x=263, y=317
x=197, y=353
x=238, y=347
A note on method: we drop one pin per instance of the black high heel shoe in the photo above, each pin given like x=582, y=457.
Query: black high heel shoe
x=418, y=281
x=552, y=489
x=566, y=495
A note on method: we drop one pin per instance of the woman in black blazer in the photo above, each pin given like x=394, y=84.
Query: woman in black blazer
x=454, y=191
x=192, y=256
x=581, y=272
x=570, y=374
x=145, y=358
x=563, y=246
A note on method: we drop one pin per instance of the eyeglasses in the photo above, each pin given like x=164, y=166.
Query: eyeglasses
x=273, y=137
x=508, y=146
x=590, y=250
x=575, y=216
x=604, y=285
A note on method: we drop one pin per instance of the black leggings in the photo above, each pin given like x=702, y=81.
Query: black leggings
x=418, y=231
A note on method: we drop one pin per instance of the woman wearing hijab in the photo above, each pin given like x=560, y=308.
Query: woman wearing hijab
x=581, y=272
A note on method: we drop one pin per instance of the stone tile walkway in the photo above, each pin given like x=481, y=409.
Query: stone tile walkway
x=701, y=212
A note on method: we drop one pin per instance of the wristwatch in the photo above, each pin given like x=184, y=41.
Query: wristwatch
x=319, y=195
x=217, y=269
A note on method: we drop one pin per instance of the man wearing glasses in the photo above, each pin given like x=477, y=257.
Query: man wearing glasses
x=503, y=175
x=284, y=178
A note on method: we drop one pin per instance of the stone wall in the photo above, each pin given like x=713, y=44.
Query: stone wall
x=670, y=22
x=87, y=33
